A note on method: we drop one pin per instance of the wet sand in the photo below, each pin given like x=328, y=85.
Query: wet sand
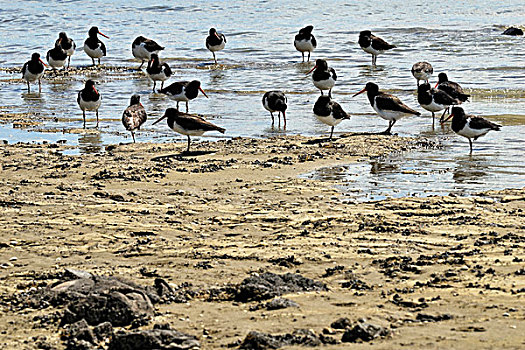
x=236, y=207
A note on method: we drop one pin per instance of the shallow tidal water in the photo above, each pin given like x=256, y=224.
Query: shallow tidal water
x=461, y=38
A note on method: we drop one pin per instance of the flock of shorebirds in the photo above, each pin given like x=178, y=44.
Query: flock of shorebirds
x=442, y=97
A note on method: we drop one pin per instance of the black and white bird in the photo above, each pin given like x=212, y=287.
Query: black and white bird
x=57, y=57
x=215, y=42
x=451, y=88
x=33, y=70
x=470, y=126
x=158, y=71
x=134, y=116
x=142, y=49
x=93, y=47
x=188, y=124
x=275, y=101
x=422, y=71
x=389, y=107
x=434, y=100
x=373, y=45
x=183, y=91
x=324, y=77
x=329, y=112
x=305, y=41
x=89, y=99
x=67, y=44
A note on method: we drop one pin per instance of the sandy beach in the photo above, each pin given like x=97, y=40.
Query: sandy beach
x=235, y=208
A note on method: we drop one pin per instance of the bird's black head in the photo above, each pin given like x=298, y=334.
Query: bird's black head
x=423, y=87
x=93, y=31
x=365, y=33
x=457, y=111
x=90, y=84
x=154, y=57
x=280, y=105
x=35, y=57
x=135, y=100
x=307, y=30
x=139, y=40
x=213, y=31
x=442, y=77
x=320, y=63
x=323, y=100
x=372, y=88
x=62, y=35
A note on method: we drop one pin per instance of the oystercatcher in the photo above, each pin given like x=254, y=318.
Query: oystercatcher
x=188, y=124
x=305, y=41
x=323, y=77
x=89, y=99
x=215, y=42
x=33, y=71
x=67, y=44
x=134, y=116
x=373, y=45
x=183, y=91
x=451, y=88
x=275, y=101
x=93, y=47
x=389, y=107
x=57, y=57
x=470, y=126
x=422, y=71
x=157, y=71
x=329, y=112
x=142, y=49
x=434, y=100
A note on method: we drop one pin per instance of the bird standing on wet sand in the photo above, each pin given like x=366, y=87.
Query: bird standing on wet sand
x=93, y=47
x=142, y=49
x=33, y=70
x=389, y=107
x=470, y=126
x=183, y=91
x=324, y=77
x=134, y=116
x=275, y=101
x=89, y=99
x=373, y=45
x=451, y=88
x=434, y=100
x=188, y=124
x=422, y=71
x=215, y=42
x=67, y=44
x=57, y=57
x=329, y=112
x=158, y=71
x=305, y=41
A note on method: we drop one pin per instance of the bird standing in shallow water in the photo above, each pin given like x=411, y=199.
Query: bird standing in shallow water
x=183, y=91
x=157, y=71
x=142, y=49
x=373, y=45
x=329, y=112
x=305, y=41
x=56, y=57
x=470, y=126
x=89, y=99
x=93, y=47
x=188, y=124
x=275, y=101
x=422, y=71
x=134, y=116
x=453, y=89
x=67, y=44
x=215, y=42
x=324, y=77
x=33, y=70
x=389, y=107
x=434, y=100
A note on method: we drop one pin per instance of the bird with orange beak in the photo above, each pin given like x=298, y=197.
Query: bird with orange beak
x=33, y=70
x=215, y=42
x=93, y=47
x=324, y=77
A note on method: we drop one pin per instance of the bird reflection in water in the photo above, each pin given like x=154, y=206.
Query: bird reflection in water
x=90, y=142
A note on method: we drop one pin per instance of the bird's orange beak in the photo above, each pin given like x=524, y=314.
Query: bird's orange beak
x=360, y=92
x=436, y=85
x=104, y=35
x=158, y=120
x=311, y=70
x=203, y=92
x=45, y=65
x=446, y=120
x=95, y=90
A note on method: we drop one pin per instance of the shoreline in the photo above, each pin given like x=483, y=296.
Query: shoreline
x=238, y=208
